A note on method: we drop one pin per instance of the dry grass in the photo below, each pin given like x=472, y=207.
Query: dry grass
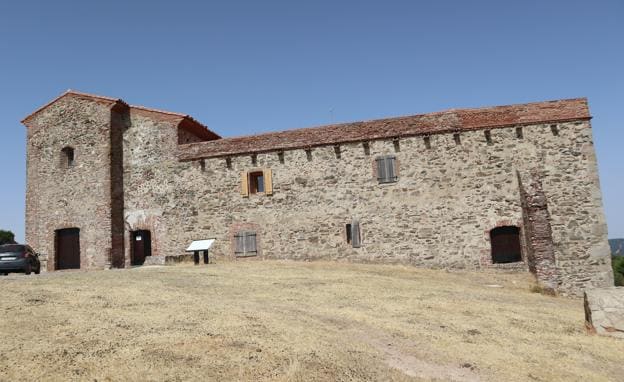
x=268, y=320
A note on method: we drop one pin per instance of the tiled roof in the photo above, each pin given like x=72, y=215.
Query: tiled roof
x=186, y=121
x=455, y=120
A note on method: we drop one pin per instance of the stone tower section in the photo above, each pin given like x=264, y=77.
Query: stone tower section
x=90, y=177
x=70, y=179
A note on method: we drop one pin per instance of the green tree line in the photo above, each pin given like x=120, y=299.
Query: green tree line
x=7, y=237
x=618, y=269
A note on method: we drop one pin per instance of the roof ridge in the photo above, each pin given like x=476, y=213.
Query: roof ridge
x=91, y=95
x=158, y=110
x=449, y=112
x=121, y=101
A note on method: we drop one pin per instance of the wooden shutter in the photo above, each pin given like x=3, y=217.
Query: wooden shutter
x=390, y=171
x=268, y=181
x=386, y=169
x=245, y=242
x=244, y=184
x=239, y=243
x=356, y=241
x=381, y=170
x=250, y=242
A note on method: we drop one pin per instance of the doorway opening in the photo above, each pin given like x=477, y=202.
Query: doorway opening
x=506, y=246
x=141, y=246
x=67, y=248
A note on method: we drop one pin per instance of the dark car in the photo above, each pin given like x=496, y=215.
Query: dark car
x=18, y=258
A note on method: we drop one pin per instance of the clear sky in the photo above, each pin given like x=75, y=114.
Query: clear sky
x=249, y=66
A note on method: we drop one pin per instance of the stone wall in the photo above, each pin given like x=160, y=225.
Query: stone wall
x=453, y=187
x=58, y=196
x=149, y=166
x=439, y=213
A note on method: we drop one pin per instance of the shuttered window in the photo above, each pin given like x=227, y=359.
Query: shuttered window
x=353, y=234
x=257, y=182
x=386, y=169
x=245, y=244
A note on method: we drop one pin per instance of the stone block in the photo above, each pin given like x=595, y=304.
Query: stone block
x=604, y=311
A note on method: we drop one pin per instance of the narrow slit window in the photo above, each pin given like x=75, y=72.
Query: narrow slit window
x=366, y=147
x=427, y=141
x=337, y=151
x=488, y=137
x=457, y=139
x=348, y=233
x=519, y=133
x=68, y=157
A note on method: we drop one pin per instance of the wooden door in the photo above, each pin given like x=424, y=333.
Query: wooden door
x=68, y=248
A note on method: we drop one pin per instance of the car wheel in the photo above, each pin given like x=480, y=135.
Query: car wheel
x=28, y=269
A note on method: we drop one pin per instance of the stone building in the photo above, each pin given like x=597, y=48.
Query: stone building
x=510, y=187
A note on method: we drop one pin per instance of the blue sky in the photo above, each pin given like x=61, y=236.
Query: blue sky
x=249, y=66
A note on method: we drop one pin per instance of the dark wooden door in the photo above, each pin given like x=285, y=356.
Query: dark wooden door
x=68, y=248
x=506, y=244
x=141, y=246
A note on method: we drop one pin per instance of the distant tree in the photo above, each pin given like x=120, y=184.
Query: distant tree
x=618, y=270
x=7, y=237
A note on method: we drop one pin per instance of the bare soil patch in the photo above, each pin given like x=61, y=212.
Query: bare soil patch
x=272, y=320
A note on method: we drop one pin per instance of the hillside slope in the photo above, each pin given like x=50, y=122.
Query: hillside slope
x=270, y=320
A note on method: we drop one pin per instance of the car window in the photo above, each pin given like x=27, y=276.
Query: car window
x=9, y=248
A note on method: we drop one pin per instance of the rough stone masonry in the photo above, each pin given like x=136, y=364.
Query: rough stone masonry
x=510, y=187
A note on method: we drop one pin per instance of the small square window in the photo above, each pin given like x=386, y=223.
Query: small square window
x=256, y=182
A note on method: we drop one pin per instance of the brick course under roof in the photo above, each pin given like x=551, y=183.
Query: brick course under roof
x=455, y=120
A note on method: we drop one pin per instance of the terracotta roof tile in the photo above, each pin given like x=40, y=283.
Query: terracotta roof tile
x=423, y=124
